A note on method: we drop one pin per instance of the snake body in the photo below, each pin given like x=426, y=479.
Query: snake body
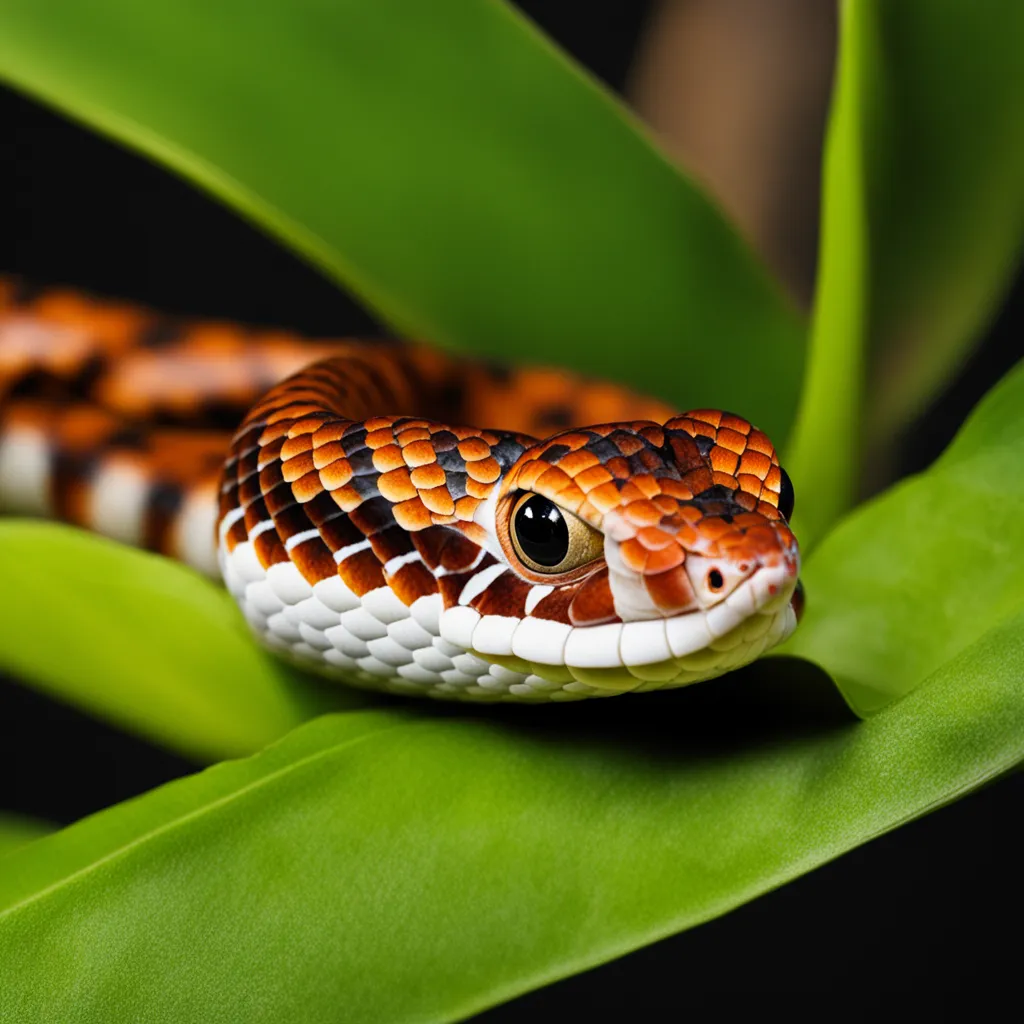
x=369, y=532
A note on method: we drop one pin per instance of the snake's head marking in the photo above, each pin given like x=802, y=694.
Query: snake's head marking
x=682, y=526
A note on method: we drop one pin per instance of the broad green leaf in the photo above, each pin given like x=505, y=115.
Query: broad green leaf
x=824, y=451
x=384, y=866
x=944, y=177
x=446, y=163
x=922, y=226
x=907, y=582
x=143, y=642
x=16, y=831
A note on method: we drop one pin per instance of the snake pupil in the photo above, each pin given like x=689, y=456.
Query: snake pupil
x=542, y=531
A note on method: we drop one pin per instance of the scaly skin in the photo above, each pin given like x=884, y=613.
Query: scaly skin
x=367, y=533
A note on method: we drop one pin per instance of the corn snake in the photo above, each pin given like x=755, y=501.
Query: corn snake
x=369, y=533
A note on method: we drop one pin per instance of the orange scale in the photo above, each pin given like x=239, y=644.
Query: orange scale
x=375, y=423
x=654, y=538
x=767, y=508
x=729, y=482
x=663, y=560
x=666, y=502
x=408, y=434
x=329, y=433
x=630, y=493
x=272, y=432
x=346, y=498
x=327, y=453
x=412, y=514
x=593, y=603
x=746, y=500
x=475, y=489
x=712, y=417
x=593, y=477
x=571, y=440
x=654, y=434
x=690, y=514
x=737, y=423
x=750, y=483
x=619, y=467
x=774, y=479
x=466, y=506
x=628, y=444
x=485, y=471
x=381, y=437
x=640, y=511
x=756, y=463
x=759, y=442
x=427, y=477
x=387, y=458
x=396, y=485
x=296, y=445
x=571, y=497
x=698, y=480
x=749, y=520
x=604, y=498
x=474, y=448
x=306, y=425
x=673, y=491
x=648, y=486
x=300, y=465
x=336, y=475
x=551, y=480
x=529, y=474
x=733, y=440
x=671, y=590
x=714, y=529
x=634, y=555
x=419, y=453
x=687, y=537
x=438, y=500
x=723, y=460
x=307, y=487
x=578, y=461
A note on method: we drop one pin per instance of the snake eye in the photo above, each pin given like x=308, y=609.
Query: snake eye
x=786, y=496
x=550, y=540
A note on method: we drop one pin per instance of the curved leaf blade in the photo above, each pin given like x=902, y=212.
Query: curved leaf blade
x=945, y=179
x=910, y=580
x=445, y=162
x=922, y=227
x=390, y=867
x=145, y=643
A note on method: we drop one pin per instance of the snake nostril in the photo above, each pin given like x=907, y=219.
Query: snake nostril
x=715, y=580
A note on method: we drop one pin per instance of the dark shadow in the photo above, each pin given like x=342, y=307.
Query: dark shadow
x=773, y=702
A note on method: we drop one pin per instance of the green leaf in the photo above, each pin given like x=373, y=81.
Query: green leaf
x=823, y=454
x=446, y=163
x=922, y=224
x=382, y=866
x=145, y=643
x=945, y=190
x=16, y=831
x=909, y=581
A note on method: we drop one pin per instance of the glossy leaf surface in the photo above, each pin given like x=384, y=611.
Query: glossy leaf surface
x=383, y=866
x=445, y=162
x=145, y=643
x=922, y=227
x=910, y=580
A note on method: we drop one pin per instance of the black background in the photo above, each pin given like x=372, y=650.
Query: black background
x=931, y=909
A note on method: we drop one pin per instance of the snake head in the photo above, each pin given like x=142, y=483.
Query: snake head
x=674, y=535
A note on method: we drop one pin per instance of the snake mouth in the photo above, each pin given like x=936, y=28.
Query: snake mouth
x=652, y=653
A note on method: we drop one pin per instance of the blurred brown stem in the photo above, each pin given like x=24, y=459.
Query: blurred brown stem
x=737, y=90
